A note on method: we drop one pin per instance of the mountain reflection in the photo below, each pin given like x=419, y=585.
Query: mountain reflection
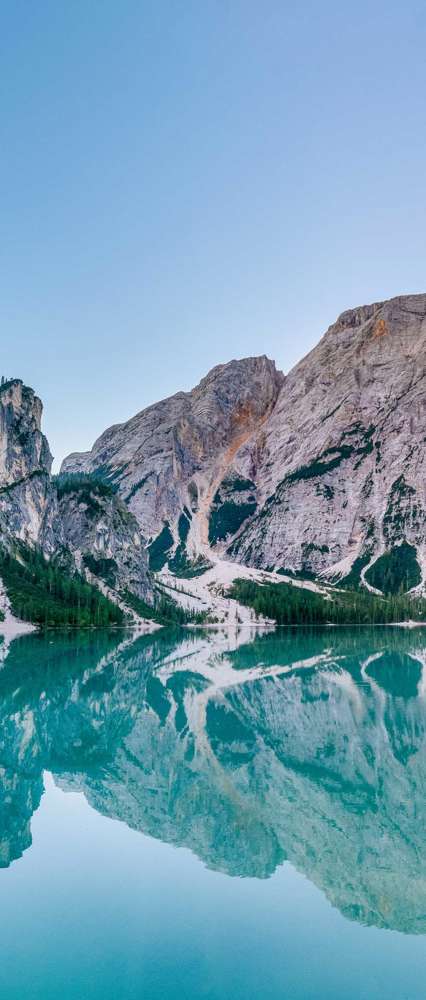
x=304, y=746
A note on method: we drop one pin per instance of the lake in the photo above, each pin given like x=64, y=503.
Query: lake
x=213, y=815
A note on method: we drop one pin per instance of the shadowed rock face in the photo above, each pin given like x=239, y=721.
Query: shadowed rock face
x=28, y=508
x=320, y=471
x=106, y=541
x=310, y=748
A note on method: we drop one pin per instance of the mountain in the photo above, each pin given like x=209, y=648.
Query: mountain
x=78, y=527
x=320, y=472
x=168, y=461
x=316, y=476
x=342, y=481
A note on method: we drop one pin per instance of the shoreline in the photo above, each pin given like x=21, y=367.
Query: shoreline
x=13, y=629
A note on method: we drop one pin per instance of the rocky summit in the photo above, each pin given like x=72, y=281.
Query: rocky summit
x=320, y=472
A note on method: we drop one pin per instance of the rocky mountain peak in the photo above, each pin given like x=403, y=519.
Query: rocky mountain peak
x=23, y=448
x=168, y=458
x=402, y=319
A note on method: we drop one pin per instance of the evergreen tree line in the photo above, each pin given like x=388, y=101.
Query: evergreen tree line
x=45, y=594
x=84, y=483
x=292, y=605
x=165, y=611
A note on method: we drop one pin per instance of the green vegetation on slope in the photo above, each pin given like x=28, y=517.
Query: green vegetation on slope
x=165, y=611
x=227, y=518
x=396, y=571
x=41, y=592
x=292, y=605
x=159, y=549
x=105, y=569
x=233, y=503
x=180, y=564
x=85, y=483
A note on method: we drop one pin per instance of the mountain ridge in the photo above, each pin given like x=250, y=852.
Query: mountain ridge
x=313, y=458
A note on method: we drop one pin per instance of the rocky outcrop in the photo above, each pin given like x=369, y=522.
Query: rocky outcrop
x=82, y=525
x=320, y=472
x=104, y=538
x=28, y=509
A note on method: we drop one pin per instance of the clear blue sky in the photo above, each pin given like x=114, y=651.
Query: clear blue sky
x=187, y=182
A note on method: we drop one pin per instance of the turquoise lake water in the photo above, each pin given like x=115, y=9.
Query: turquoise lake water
x=210, y=815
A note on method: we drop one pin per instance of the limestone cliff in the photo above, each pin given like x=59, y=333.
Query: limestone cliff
x=28, y=508
x=104, y=537
x=169, y=460
x=318, y=472
x=342, y=470
x=81, y=525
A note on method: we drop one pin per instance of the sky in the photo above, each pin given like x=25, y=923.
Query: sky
x=188, y=181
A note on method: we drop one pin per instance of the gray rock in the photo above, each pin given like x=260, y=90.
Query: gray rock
x=342, y=468
x=97, y=531
x=28, y=508
x=105, y=540
x=322, y=470
x=174, y=454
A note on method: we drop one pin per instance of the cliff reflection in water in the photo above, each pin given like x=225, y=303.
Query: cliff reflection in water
x=309, y=747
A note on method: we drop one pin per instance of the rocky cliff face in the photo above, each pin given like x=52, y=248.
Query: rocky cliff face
x=80, y=520
x=343, y=462
x=105, y=539
x=169, y=461
x=321, y=471
x=28, y=508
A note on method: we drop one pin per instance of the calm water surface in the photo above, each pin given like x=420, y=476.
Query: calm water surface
x=213, y=816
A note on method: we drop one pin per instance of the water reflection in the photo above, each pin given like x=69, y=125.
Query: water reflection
x=304, y=746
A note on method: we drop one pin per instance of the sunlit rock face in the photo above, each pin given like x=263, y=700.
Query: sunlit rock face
x=343, y=463
x=321, y=471
x=310, y=748
x=171, y=458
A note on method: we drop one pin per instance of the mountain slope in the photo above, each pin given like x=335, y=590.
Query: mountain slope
x=318, y=472
x=343, y=466
x=46, y=524
x=169, y=460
